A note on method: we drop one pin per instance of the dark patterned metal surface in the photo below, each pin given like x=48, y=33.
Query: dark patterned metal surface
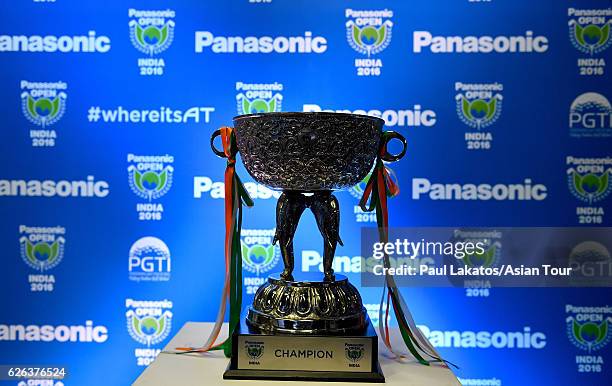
x=308, y=151
x=307, y=307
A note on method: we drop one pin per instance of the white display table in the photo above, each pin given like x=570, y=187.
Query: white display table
x=170, y=369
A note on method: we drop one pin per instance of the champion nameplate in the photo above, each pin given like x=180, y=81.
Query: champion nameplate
x=316, y=353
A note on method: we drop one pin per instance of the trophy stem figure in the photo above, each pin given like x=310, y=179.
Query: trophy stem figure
x=289, y=209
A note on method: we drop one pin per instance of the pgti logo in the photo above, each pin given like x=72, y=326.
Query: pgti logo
x=258, y=254
x=148, y=322
x=149, y=260
x=151, y=32
x=43, y=103
x=590, y=116
x=589, y=251
x=590, y=262
x=150, y=176
x=254, y=98
x=369, y=32
x=588, y=328
x=589, y=178
x=589, y=29
x=478, y=105
x=42, y=248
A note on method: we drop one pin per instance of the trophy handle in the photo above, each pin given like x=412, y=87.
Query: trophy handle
x=218, y=152
x=386, y=137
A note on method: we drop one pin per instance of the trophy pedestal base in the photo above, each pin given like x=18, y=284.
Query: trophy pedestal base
x=290, y=357
x=308, y=306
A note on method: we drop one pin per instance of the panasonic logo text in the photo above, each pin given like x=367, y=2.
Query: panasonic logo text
x=51, y=43
x=482, y=192
x=478, y=44
x=486, y=339
x=87, y=333
x=216, y=189
x=50, y=188
x=305, y=44
x=408, y=117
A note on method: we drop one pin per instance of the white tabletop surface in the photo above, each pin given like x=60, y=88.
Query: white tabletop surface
x=207, y=369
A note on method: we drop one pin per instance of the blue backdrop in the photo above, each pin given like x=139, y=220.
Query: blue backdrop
x=111, y=200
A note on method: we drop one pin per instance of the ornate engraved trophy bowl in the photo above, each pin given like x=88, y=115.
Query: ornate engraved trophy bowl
x=308, y=151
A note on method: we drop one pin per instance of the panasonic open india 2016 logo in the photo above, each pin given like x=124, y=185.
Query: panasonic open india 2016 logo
x=589, y=32
x=354, y=352
x=258, y=253
x=489, y=257
x=478, y=105
x=259, y=256
x=43, y=103
x=588, y=328
x=357, y=190
x=589, y=181
x=486, y=259
x=589, y=29
x=151, y=32
x=589, y=178
x=148, y=322
x=369, y=32
x=590, y=187
x=254, y=98
x=254, y=350
x=150, y=177
x=42, y=248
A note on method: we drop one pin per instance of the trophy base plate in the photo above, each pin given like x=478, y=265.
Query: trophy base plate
x=295, y=375
x=289, y=357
